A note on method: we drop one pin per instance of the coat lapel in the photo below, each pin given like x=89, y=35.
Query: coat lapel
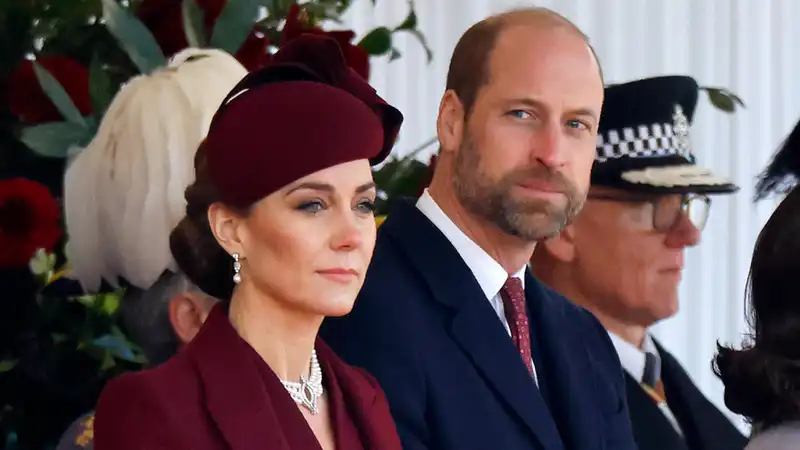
x=474, y=326
x=566, y=382
x=234, y=391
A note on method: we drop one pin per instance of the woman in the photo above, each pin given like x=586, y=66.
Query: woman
x=762, y=380
x=280, y=222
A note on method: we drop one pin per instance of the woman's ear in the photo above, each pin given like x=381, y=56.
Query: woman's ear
x=226, y=227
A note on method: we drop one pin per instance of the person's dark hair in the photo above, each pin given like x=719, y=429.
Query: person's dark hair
x=781, y=175
x=470, y=63
x=193, y=245
x=762, y=380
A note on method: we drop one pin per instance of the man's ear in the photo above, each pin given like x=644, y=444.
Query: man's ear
x=562, y=247
x=450, y=122
x=187, y=313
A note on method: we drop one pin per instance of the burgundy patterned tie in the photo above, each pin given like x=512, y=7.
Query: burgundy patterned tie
x=514, y=304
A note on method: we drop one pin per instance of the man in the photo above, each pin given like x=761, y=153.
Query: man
x=472, y=351
x=160, y=320
x=622, y=257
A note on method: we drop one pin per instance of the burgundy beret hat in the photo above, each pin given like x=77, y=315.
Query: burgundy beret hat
x=304, y=112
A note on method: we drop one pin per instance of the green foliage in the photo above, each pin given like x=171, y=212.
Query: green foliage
x=723, y=99
x=399, y=178
x=122, y=46
x=70, y=347
x=58, y=95
x=7, y=364
x=409, y=25
x=101, y=89
x=54, y=140
x=193, y=24
x=133, y=36
x=234, y=24
x=377, y=42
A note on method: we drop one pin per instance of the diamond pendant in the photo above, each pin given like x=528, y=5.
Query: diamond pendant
x=308, y=395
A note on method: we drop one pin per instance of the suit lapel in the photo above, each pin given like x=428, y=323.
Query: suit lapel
x=566, y=382
x=475, y=325
x=234, y=391
x=704, y=426
x=679, y=402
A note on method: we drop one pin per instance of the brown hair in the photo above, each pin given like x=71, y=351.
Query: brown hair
x=194, y=247
x=471, y=61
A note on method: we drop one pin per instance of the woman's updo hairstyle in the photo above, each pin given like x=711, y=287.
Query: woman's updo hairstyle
x=193, y=245
x=762, y=380
x=304, y=112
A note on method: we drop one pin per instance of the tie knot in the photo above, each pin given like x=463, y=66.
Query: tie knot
x=513, y=296
x=513, y=288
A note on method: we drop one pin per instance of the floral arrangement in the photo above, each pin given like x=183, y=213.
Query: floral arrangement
x=61, y=66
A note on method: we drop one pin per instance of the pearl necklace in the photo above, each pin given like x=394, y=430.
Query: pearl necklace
x=308, y=391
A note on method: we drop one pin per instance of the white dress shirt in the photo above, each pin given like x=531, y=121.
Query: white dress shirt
x=489, y=274
x=633, y=360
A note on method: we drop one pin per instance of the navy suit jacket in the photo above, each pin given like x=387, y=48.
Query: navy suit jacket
x=454, y=379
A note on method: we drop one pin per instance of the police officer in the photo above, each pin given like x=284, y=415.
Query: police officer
x=622, y=257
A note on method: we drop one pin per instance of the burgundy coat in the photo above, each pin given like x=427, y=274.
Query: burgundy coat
x=215, y=394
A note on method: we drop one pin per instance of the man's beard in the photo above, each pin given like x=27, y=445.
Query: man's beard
x=529, y=219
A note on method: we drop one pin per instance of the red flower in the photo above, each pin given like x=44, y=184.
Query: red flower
x=30, y=104
x=29, y=220
x=297, y=24
x=254, y=53
x=164, y=18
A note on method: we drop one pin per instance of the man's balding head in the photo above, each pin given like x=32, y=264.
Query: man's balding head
x=470, y=65
x=517, y=127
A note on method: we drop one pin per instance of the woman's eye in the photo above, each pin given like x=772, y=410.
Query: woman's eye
x=311, y=206
x=366, y=206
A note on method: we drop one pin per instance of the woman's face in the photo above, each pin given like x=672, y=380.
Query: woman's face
x=308, y=245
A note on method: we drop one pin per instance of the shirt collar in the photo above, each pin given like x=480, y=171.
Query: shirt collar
x=631, y=356
x=489, y=273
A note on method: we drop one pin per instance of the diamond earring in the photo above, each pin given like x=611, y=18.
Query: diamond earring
x=237, y=277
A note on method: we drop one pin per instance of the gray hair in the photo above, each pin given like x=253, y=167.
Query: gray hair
x=145, y=315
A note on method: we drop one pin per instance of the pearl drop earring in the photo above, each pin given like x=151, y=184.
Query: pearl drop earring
x=237, y=277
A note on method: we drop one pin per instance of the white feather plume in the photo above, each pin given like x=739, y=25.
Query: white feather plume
x=124, y=193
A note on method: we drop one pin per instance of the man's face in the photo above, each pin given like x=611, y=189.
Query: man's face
x=528, y=145
x=623, y=265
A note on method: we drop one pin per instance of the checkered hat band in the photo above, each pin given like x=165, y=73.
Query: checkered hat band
x=658, y=139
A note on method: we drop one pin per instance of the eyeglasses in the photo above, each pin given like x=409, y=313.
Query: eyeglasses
x=667, y=209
